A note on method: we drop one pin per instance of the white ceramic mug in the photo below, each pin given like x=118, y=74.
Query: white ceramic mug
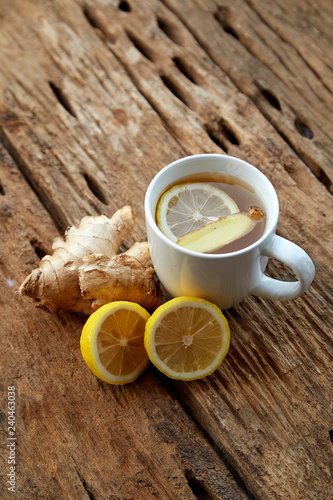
x=225, y=279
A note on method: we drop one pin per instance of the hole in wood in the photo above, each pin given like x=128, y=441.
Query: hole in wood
x=220, y=131
x=96, y=23
x=331, y=435
x=62, y=98
x=90, y=17
x=198, y=489
x=173, y=88
x=170, y=30
x=95, y=188
x=2, y=191
x=230, y=30
x=270, y=97
x=5, y=208
x=221, y=17
x=215, y=136
x=228, y=133
x=38, y=249
x=303, y=129
x=324, y=179
x=124, y=6
x=184, y=68
x=140, y=45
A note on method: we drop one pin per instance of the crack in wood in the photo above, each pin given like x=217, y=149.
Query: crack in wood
x=62, y=98
x=172, y=85
x=89, y=15
x=221, y=133
x=319, y=172
x=39, y=251
x=183, y=66
x=174, y=88
x=22, y=166
x=287, y=41
x=95, y=188
x=146, y=51
x=224, y=23
x=149, y=101
x=140, y=45
x=171, y=387
x=198, y=487
x=170, y=30
x=216, y=136
x=96, y=22
x=85, y=486
x=271, y=98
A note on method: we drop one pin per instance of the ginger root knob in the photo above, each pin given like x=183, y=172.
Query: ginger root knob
x=84, y=271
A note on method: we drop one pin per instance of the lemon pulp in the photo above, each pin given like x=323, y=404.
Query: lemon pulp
x=187, y=338
x=186, y=207
x=112, y=342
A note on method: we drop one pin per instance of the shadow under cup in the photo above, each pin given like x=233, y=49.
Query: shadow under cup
x=225, y=279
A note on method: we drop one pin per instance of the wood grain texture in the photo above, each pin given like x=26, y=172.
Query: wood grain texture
x=95, y=98
x=264, y=48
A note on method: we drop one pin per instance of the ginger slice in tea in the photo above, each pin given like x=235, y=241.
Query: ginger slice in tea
x=225, y=230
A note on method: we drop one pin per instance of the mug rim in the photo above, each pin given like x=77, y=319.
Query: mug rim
x=150, y=217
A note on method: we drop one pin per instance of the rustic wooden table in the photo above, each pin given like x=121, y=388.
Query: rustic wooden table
x=95, y=98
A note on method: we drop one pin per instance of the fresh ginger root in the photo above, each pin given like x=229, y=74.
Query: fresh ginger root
x=84, y=271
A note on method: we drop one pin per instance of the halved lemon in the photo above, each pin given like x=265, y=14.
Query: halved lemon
x=112, y=342
x=187, y=338
x=188, y=206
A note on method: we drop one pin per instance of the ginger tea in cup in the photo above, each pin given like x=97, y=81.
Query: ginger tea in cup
x=211, y=199
x=228, y=277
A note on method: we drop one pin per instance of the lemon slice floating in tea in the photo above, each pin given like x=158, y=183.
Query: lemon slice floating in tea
x=186, y=207
x=112, y=342
x=187, y=338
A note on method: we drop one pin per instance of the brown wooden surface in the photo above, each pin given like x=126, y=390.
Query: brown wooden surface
x=95, y=98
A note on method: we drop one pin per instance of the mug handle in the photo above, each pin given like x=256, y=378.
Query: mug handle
x=294, y=257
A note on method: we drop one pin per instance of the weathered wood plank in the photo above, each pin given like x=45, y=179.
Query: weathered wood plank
x=99, y=97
